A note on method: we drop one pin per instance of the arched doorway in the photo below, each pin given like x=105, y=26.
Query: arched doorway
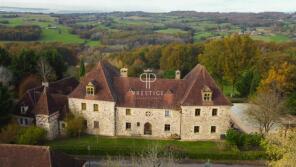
x=147, y=129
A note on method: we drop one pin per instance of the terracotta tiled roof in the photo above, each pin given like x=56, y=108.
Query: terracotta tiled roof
x=198, y=79
x=102, y=76
x=48, y=104
x=57, y=91
x=131, y=92
x=34, y=156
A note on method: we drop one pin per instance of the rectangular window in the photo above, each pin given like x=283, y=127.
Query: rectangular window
x=138, y=123
x=196, y=129
x=167, y=127
x=83, y=106
x=85, y=123
x=128, y=126
x=214, y=112
x=96, y=124
x=26, y=121
x=63, y=125
x=213, y=129
x=128, y=111
x=197, y=112
x=167, y=113
x=21, y=121
x=96, y=107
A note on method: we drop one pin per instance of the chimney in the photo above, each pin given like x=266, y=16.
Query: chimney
x=45, y=84
x=123, y=72
x=178, y=74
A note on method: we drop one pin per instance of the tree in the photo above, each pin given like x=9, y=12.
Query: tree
x=241, y=53
x=10, y=133
x=291, y=103
x=32, y=135
x=82, y=68
x=227, y=58
x=75, y=125
x=6, y=103
x=214, y=50
x=5, y=59
x=45, y=70
x=248, y=83
x=265, y=110
x=281, y=148
x=282, y=79
x=55, y=60
x=24, y=64
x=5, y=76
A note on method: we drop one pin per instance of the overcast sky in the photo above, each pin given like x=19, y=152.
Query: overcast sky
x=159, y=5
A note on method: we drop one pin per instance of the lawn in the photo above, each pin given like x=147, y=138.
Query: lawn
x=134, y=146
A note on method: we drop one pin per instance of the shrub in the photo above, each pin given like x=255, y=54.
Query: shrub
x=75, y=125
x=9, y=133
x=31, y=135
x=242, y=140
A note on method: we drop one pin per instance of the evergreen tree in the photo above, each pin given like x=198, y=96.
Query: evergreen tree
x=6, y=103
x=82, y=68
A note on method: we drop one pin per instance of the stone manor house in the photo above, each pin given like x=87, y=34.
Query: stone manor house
x=113, y=104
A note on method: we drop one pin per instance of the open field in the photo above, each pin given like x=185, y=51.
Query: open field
x=103, y=146
x=203, y=27
x=51, y=30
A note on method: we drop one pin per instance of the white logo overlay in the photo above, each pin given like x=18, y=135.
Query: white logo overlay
x=148, y=77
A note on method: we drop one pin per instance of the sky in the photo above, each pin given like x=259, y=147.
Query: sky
x=158, y=5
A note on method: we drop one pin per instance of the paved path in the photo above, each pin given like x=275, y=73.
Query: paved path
x=239, y=118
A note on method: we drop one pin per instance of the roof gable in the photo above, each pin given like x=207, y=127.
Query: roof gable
x=101, y=76
x=46, y=104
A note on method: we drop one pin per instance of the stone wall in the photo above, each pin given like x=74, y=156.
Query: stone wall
x=204, y=121
x=105, y=116
x=140, y=116
x=49, y=123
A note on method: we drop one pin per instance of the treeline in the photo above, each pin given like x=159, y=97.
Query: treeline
x=163, y=58
x=130, y=38
x=20, y=33
x=23, y=60
x=238, y=61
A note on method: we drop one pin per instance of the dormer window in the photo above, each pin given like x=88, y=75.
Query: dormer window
x=90, y=89
x=24, y=109
x=206, y=94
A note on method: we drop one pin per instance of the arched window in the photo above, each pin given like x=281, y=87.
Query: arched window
x=90, y=89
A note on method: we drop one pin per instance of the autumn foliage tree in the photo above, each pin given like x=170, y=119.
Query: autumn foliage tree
x=281, y=148
x=282, y=79
x=229, y=57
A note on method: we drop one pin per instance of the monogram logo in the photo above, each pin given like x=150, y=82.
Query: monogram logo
x=148, y=77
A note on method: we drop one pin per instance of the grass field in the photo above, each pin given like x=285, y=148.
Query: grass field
x=60, y=34
x=103, y=146
x=171, y=31
x=273, y=38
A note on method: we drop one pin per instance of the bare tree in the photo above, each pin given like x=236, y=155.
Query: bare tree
x=265, y=110
x=45, y=70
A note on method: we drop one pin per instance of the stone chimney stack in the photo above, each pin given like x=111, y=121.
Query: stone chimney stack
x=123, y=72
x=178, y=74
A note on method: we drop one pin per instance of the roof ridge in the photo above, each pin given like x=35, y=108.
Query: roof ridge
x=197, y=67
x=108, y=84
